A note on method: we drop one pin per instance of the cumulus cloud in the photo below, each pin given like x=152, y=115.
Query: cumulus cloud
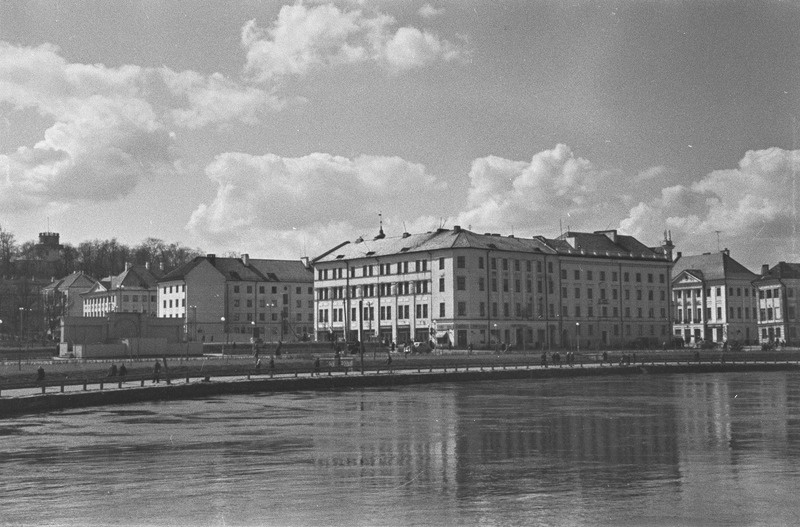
x=752, y=205
x=214, y=98
x=109, y=127
x=428, y=11
x=554, y=185
x=310, y=197
x=105, y=136
x=303, y=38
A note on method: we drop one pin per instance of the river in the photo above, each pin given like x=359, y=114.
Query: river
x=712, y=449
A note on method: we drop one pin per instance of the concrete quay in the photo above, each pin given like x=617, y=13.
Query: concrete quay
x=42, y=399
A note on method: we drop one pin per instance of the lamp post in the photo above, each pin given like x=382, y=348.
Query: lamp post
x=578, y=336
x=225, y=330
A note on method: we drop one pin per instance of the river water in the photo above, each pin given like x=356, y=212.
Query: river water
x=716, y=449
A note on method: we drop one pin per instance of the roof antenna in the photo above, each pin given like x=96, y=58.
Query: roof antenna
x=380, y=235
x=718, y=239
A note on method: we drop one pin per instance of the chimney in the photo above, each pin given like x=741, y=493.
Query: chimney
x=456, y=229
x=406, y=235
x=212, y=259
x=726, y=251
x=764, y=269
x=305, y=261
x=246, y=259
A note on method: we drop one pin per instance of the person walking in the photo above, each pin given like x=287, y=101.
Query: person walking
x=40, y=374
x=316, y=366
x=157, y=372
x=123, y=371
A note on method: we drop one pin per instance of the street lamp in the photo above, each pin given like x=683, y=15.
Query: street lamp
x=21, y=312
x=578, y=336
x=225, y=330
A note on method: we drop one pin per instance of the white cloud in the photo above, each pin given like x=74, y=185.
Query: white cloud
x=428, y=11
x=269, y=197
x=104, y=135
x=303, y=38
x=215, y=98
x=533, y=196
x=108, y=127
x=752, y=205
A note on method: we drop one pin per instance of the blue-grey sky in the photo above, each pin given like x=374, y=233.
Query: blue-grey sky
x=282, y=129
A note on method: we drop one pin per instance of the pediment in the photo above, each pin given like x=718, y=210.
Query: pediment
x=689, y=278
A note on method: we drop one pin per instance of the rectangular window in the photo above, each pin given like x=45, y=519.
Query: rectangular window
x=461, y=262
x=462, y=309
x=441, y=309
x=441, y=285
x=482, y=309
x=441, y=263
x=577, y=274
x=480, y=262
x=461, y=283
x=481, y=284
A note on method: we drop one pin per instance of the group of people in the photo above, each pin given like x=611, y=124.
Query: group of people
x=569, y=358
x=122, y=371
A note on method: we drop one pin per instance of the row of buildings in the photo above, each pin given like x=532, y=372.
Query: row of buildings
x=459, y=288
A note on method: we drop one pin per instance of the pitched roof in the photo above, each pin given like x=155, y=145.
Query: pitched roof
x=68, y=281
x=283, y=270
x=256, y=270
x=713, y=266
x=599, y=244
x=781, y=270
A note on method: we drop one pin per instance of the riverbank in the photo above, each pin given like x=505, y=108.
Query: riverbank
x=238, y=376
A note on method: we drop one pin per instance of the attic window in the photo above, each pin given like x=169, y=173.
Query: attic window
x=404, y=249
x=370, y=253
x=339, y=256
x=492, y=246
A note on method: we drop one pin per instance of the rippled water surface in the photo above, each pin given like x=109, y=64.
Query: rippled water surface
x=663, y=450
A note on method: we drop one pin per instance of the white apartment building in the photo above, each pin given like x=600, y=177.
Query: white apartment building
x=460, y=288
x=778, y=289
x=239, y=299
x=714, y=299
x=132, y=291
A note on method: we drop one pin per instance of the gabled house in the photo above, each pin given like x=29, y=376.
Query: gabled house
x=62, y=298
x=713, y=299
x=778, y=291
x=132, y=291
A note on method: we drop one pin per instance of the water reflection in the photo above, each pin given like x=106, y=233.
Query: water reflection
x=663, y=449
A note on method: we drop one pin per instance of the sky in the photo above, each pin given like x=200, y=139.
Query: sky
x=282, y=129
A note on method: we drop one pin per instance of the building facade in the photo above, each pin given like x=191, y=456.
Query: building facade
x=64, y=298
x=714, y=300
x=239, y=299
x=778, y=289
x=460, y=288
x=132, y=291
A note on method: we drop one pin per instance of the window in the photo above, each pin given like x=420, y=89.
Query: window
x=441, y=263
x=481, y=284
x=590, y=275
x=480, y=262
x=577, y=274
x=649, y=278
x=638, y=277
x=236, y=289
x=577, y=292
x=441, y=284
x=249, y=302
x=505, y=264
x=505, y=284
x=462, y=309
x=461, y=283
x=482, y=309
x=563, y=274
x=461, y=262
x=441, y=309
x=505, y=310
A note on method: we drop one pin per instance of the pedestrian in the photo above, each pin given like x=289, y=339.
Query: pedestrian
x=389, y=359
x=112, y=371
x=258, y=366
x=272, y=364
x=255, y=353
x=469, y=348
x=40, y=374
x=337, y=359
x=634, y=357
x=278, y=349
x=316, y=366
x=157, y=372
x=605, y=356
x=123, y=371
x=544, y=359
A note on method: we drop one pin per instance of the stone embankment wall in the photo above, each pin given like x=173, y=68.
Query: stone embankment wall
x=10, y=406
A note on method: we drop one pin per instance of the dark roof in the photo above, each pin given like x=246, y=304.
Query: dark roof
x=68, y=281
x=256, y=270
x=781, y=270
x=283, y=270
x=712, y=266
x=600, y=244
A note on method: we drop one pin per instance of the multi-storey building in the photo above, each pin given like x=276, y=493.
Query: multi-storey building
x=461, y=288
x=132, y=291
x=713, y=299
x=63, y=298
x=778, y=289
x=238, y=299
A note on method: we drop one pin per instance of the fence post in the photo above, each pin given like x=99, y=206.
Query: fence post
x=101, y=385
x=43, y=388
x=141, y=384
x=62, y=387
x=84, y=386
